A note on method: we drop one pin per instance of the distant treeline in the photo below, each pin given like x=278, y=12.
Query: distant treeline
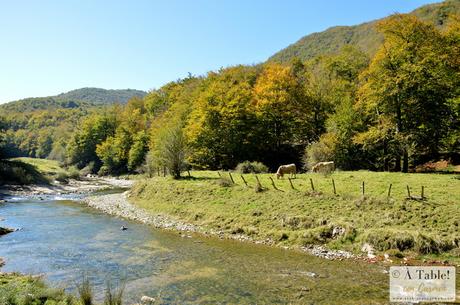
x=388, y=112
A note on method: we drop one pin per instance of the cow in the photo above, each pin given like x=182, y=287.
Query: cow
x=323, y=167
x=286, y=169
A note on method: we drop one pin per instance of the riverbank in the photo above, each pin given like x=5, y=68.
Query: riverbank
x=372, y=226
x=73, y=186
x=25, y=289
x=119, y=205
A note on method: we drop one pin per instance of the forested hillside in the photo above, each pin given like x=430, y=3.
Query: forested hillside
x=40, y=127
x=365, y=36
x=83, y=97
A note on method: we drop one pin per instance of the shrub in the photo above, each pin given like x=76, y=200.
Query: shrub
x=73, y=172
x=88, y=169
x=85, y=292
x=248, y=167
x=113, y=296
x=321, y=151
x=62, y=177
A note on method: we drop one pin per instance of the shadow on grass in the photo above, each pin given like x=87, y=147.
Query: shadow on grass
x=17, y=172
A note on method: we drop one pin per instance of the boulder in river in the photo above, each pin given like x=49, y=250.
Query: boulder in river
x=4, y=231
x=147, y=300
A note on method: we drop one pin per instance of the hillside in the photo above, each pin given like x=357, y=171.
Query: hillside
x=363, y=36
x=73, y=99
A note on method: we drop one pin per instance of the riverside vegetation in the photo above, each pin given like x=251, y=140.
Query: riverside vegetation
x=301, y=217
x=17, y=289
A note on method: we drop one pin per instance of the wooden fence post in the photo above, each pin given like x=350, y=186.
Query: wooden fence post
x=408, y=192
x=189, y=175
x=389, y=190
x=273, y=183
x=363, y=189
x=423, y=192
x=292, y=185
x=164, y=171
x=257, y=178
x=220, y=176
x=231, y=177
x=244, y=180
x=312, y=186
x=333, y=186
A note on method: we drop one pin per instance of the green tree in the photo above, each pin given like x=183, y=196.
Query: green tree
x=221, y=129
x=409, y=83
x=95, y=129
x=170, y=150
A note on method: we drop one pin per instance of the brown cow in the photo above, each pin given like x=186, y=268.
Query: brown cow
x=286, y=169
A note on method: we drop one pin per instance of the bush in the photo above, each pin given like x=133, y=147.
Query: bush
x=62, y=177
x=73, y=172
x=17, y=172
x=113, y=296
x=321, y=151
x=88, y=169
x=85, y=292
x=254, y=167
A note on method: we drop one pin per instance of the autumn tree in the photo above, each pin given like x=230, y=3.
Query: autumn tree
x=408, y=84
x=221, y=129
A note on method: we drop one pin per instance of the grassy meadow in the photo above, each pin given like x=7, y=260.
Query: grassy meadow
x=300, y=216
x=34, y=171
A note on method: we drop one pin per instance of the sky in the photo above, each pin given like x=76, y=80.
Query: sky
x=49, y=47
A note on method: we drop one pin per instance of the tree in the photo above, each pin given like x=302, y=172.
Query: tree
x=95, y=129
x=409, y=83
x=221, y=129
x=138, y=150
x=169, y=149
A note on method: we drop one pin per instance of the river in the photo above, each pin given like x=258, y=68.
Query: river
x=64, y=240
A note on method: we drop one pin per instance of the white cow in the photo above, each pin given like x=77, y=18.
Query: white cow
x=323, y=167
x=286, y=169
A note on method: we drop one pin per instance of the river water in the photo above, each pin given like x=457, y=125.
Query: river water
x=64, y=240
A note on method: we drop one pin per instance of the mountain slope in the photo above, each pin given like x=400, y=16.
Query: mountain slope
x=364, y=36
x=76, y=98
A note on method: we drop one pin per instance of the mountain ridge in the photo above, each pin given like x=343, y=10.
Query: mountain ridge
x=86, y=96
x=364, y=35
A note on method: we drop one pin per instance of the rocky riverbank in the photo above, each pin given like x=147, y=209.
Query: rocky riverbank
x=83, y=186
x=119, y=205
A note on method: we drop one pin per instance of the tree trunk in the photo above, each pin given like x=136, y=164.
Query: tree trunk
x=398, y=130
x=398, y=163
x=405, y=168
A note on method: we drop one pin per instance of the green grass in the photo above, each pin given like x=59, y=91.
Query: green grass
x=16, y=289
x=17, y=172
x=44, y=166
x=34, y=170
x=298, y=217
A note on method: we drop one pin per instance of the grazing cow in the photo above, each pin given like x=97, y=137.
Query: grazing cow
x=286, y=169
x=323, y=167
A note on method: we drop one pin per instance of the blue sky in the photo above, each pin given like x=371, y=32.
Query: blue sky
x=49, y=47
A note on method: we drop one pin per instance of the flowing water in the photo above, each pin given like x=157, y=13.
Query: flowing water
x=64, y=240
